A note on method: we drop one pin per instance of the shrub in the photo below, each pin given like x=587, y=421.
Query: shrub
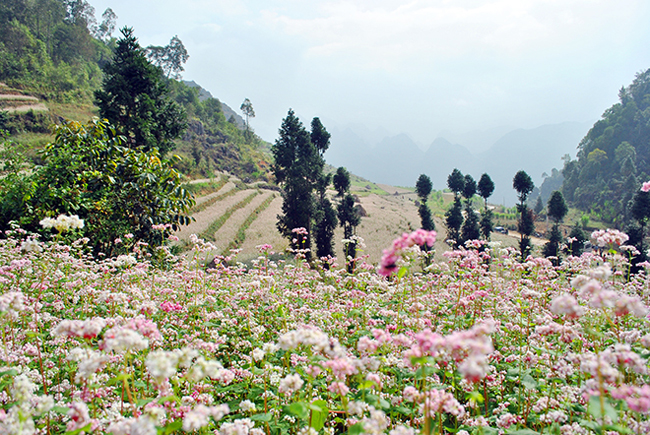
x=88, y=172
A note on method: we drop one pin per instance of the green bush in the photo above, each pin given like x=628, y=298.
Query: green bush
x=88, y=172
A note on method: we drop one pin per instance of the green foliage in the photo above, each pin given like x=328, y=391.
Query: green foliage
x=523, y=184
x=454, y=221
x=426, y=221
x=134, y=97
x=325, y=222
x=170, y=58
x=341, y=181
x=423, y=187
x=469, y=187
x=456, y=182
x=557, y=207
x=552, y=247
x=577, y=239
x=613, y=151
x=525, y=226
x=486, y=224
x=247, y=109
x=349, y=219
x=470, y=229
x=88, y=172
x=485, y=187
x=298, y=167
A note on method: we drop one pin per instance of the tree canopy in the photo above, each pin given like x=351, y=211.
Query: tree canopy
x=613, y=157
x=134, y=98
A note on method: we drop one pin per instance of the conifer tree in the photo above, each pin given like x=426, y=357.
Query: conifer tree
x=454, y=215
x=524, y=185
x=348, y=216
x=470, y=229
x=134, y=98
x=423, y=189
x=557, y=209
x=485, y=189
x=297, y=168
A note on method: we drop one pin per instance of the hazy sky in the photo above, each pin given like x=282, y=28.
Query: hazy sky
x=419, y=67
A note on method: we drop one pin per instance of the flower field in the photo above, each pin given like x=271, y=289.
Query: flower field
x=479, y=344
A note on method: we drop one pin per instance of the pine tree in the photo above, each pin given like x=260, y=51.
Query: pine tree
x=485, y=189
x=454, y=215
x=557, y=209
x=297, y=168
x=524, y=185
x=423, y=189
x=134, y=98
x=348, y=216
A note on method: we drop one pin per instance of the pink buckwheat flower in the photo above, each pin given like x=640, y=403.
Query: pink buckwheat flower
x=338, y=388
x=567, y=304
x=389, y=260
x=646, y=187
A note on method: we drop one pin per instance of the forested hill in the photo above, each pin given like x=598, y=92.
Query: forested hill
x=614, y=157
x=52, y=52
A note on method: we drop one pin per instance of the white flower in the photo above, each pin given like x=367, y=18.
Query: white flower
x=258, y=354
x=143, y=425
x=122, y=339
x=247, y=406
x=290, y=384
x=161, y=365
x=63, y=223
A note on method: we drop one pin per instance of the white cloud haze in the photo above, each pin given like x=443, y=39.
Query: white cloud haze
x=419, y=66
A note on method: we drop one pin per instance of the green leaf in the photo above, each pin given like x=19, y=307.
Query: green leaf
x=299, y=409
x=10, y=372
x=402, y=271
x=118, y=379
x=522, y=432
x=143, y=402
x=319, y=414
x=356, y=429
x=60, y=410
x=597, y=411
x=174, y=426
x=77, y=431
x=366, y=385
x=266, y=416
x=528, y=382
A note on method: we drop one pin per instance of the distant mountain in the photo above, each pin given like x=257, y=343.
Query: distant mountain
x=398, y=160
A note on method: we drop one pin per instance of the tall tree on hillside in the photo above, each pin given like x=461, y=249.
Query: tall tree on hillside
x=169, y=58
x=470, y=229
x=423, y=189
x=485, y=189
x=556, y=209
x=247, y=109
x=297, y=168
x=134, y=97
x=524, y=185
x=348, y=216
x=106, y=28
x=454, y=215
x=325, y=220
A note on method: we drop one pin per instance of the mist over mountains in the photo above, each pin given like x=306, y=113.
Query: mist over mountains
x=398, y=160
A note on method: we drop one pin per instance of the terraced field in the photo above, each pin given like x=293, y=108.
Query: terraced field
x=235, y=215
